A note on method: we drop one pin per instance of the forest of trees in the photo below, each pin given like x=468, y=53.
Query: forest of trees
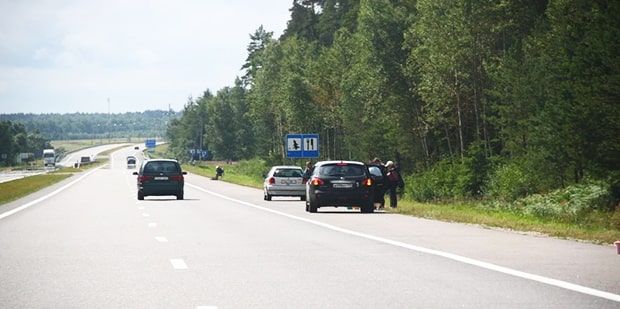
x=494, y=95
x=94, y=125
x=15, y=139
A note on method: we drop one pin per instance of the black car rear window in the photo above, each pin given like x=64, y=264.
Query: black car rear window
x=375, y=170
x=287, y=172
x=340, y=170
x=162, y=167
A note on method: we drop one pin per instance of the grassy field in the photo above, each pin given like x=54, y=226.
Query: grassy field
x=475, y=213
x=73, y=145
x=12, y=190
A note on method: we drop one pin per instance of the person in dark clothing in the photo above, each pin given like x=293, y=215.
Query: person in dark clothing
x=308, y=171
x=219, y=172
x=394, y=181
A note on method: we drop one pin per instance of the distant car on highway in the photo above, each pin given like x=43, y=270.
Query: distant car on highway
x=136, y=147
x=160, y=177
x=131, y=162
x=284, y=180
x=340, y=183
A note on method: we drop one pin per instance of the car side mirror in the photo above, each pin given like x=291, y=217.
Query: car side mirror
x=135, y=173
x=184, y=173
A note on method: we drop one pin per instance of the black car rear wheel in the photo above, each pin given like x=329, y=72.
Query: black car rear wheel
x=180, y=196
x=368, y=207
x=140, y=196
x=313, y=205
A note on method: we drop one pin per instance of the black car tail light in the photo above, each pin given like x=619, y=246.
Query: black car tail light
x=144, y=178
x=367, y=182
x=177, y=177
x=315, y=181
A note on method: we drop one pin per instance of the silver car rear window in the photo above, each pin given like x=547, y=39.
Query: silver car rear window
x=287, y=172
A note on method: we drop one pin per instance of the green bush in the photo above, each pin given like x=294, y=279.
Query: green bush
x=448, y=179
x=254, y=167
x=571, y=204
x=519, y=177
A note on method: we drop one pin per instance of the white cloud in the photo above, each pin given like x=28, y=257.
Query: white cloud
x=68, y=55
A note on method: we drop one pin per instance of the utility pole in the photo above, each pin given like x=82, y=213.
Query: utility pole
x=109, y=122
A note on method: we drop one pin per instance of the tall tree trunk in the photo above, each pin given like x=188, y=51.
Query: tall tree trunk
x=458, y=111
x=448, y=139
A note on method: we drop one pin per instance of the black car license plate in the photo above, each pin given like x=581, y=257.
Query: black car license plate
x=343, y=185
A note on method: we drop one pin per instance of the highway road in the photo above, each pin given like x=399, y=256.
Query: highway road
x=68, y=160
x=92, y=244
x=91, y=152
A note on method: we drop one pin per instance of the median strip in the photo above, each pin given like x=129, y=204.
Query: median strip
x=20, y=208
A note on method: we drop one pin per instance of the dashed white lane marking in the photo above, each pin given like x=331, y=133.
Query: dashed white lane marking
x=152, y=224
x=145, y=215
x=22, y=207
x=454, y=257
x=178, y=264
x=161, y=239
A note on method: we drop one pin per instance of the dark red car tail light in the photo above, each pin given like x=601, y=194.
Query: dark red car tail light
x=367, y=182
x=144, y=178
x=177, y=177
x=272, y=181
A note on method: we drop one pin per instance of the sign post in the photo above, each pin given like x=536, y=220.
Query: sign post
x=302, y=145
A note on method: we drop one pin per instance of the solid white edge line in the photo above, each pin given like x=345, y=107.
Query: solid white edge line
x=454, y=257
x=20, y=208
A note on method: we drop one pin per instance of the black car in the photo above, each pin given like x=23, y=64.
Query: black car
x=340, y=183
x=160, y=177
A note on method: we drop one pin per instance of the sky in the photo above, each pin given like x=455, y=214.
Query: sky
x=67, y=56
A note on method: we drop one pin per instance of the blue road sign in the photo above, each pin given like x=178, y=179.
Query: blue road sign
x=302, y=145
x=149, y=143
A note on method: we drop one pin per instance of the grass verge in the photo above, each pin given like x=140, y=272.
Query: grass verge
x=15, y=189
x=498, y=218
x=231, y=174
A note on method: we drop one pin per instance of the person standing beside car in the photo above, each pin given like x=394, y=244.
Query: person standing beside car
x=394, y=181
x=307, y=171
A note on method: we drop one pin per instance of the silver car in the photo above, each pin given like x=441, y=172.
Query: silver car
x=284, y=180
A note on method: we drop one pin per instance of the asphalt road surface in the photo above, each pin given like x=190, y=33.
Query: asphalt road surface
x=92, y=152
x=92, y=244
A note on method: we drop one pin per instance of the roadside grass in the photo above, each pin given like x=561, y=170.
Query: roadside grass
x=231, y=174
x=159, y=152
x=74, y=145
x=15, y=189
x=598, y=231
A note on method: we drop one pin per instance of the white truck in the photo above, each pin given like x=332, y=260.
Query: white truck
x=49, y=157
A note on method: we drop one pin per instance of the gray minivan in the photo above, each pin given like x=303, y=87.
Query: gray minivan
x=160, y=177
